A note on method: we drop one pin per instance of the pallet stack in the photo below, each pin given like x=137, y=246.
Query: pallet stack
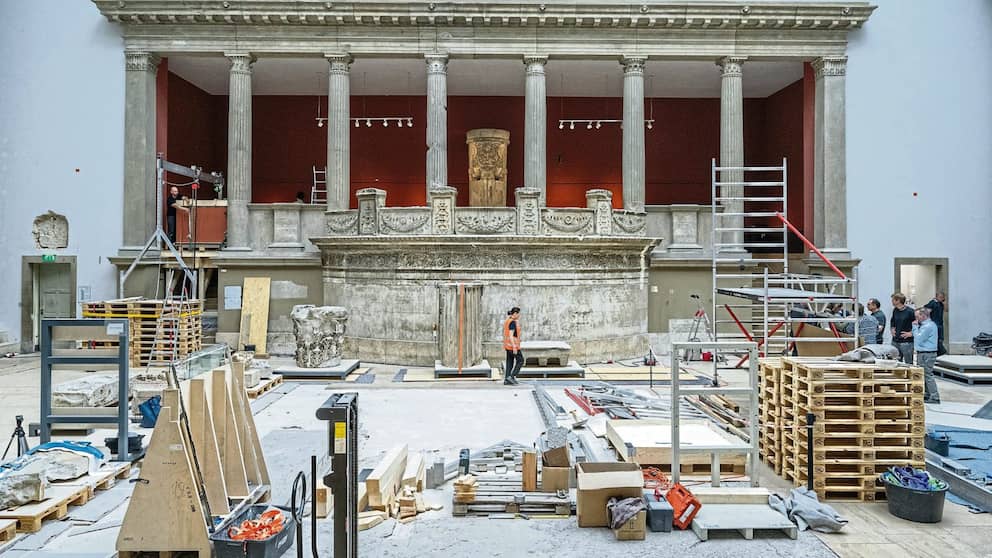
x=869, y=417
x=143, y=316
x=769, y=414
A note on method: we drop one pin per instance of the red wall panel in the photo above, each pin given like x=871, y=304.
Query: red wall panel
x=784, y=138
x=193, y=135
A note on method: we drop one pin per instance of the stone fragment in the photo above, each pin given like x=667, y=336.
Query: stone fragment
x=319, y=332
x=19, y=488
x=89, y=391
x=56, y=465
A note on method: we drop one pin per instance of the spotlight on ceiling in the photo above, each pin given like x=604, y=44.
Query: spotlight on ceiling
x=385, y=123
x=356, y=123
x=599, y=125
x=368, y=123
x=589, y=126
x=320, y=123
x=409, y=123
x=650, y=125
x=571, y=126
x=561, y=125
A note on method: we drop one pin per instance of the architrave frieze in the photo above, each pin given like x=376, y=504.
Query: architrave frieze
x=559, y=30
x=826, y=15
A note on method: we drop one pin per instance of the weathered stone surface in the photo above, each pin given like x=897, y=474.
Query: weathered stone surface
x=460, y=331
x=487, y=167
x=89, y=391
x=319, y=331
x=51, y=230
x=56, y=465
x=19, y=488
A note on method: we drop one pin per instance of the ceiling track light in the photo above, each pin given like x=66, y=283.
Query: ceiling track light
x=368, y=120
x=598, y=124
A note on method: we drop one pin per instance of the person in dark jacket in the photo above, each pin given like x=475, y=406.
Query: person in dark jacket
x=936, y=307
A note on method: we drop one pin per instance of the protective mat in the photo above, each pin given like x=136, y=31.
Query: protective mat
x=400, y=375
x=971, y=447
x=427, y=375
x=366, y=378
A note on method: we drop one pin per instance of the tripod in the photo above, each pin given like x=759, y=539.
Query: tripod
x=22, y=439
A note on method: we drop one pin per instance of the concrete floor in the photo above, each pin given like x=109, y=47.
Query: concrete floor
x=447, y=416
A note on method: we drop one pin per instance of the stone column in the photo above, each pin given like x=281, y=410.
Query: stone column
x=830, y=161
x=239, y=150
x=338, y=132
x=437, y=120
x=140, y=204
x=633, y=133
x=535, y=126
x=731, y=146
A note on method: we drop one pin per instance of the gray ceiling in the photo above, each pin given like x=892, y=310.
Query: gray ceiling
x=489, y=77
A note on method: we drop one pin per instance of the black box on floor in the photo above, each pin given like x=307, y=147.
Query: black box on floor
x=660, y=514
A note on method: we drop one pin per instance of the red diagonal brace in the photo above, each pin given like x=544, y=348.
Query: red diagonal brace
x=760, y=343
x=583, y=402
x=810, y=245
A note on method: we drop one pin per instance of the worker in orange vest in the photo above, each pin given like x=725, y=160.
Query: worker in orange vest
x=511, y=342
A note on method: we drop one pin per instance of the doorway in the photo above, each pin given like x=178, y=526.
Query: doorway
x=919, y=279
x=48, y=290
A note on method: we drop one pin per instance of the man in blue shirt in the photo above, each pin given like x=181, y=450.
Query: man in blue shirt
x=925, y=343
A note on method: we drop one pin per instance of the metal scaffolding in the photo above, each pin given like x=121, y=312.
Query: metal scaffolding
x=768, y=304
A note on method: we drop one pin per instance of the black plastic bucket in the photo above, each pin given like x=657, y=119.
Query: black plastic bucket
x=921, y=506
x=273, y=547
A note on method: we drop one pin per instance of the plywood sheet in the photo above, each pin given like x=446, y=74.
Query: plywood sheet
x=255, y=301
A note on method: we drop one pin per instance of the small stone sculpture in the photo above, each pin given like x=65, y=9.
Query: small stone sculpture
x=50, y=230
x=319, y=332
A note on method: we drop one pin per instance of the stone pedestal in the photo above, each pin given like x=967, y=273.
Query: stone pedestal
x=528, y=210
x=487, y=167
x=459, y=328
x=441, y=200
x=319, y=331
x=370, y=202
x=601, y=201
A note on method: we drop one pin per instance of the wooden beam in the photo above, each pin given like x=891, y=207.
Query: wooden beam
x=231, y=455
x=414, y=471
x=529, y=471
x=385, y=479
x=201, y=424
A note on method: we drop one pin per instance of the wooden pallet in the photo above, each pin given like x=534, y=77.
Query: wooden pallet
x=30, y=517
x=742, y=518
x=505, y=495
x=162, y=554
x=8, y=530
x=264, y=386
x=104, y=479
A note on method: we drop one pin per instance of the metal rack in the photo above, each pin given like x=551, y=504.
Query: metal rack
x=751, y=230
x=748, y=447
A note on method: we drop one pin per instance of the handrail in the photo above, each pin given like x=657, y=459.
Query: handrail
x=810, y=245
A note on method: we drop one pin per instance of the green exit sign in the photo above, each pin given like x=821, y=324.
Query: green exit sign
x=48, y=258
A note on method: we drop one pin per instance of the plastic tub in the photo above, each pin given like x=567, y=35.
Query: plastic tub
x=921, y=506
x=273, y=547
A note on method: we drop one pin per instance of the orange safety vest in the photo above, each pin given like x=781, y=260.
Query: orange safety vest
x=511, y=342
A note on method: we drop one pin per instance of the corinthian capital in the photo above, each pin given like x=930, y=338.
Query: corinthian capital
x=730, y=66
x=436, y=63
x=830, y=66
x=535, y=64
x=339, y=62
x=633, y=65
x=141, y=62
x=241, y=62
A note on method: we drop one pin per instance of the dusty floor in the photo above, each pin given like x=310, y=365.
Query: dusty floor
x=445, y=417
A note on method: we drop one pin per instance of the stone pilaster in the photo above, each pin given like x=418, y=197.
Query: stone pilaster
x=528, y=202
x=239, y=150
x=437, y=120
x=370, y=201
x=441, y=200
x=830, y=160
x=731, y=146
x=535, y=126
x=140, y=204
x=685, y=230
x=633, y=133
x=601, y=201
x=338, y=131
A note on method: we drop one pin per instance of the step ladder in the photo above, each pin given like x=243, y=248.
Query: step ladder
x=318, y=192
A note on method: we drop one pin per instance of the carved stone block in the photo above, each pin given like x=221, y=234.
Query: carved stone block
x=319, y=331
x=601, y=201
x=370, y=202
x=441, y=200
x=528, y=211
x=487, y=167
x=50, y=230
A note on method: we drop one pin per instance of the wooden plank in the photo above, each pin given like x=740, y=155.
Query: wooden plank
x=414, y=471
x=255, y=301
x=226, y=431
x=244, y=332
x=164, y=513
x=385, y=479
x=529, y=481
x=201, y=425
x=251, y=446
x=8, y=529
x=368, y=520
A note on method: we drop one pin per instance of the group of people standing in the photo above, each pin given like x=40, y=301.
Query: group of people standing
x=919, y=331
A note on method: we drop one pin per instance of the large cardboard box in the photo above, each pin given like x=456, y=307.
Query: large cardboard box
x=634, y=529
x=598, y=482
x=554, y=479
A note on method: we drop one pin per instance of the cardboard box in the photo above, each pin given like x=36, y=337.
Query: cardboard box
x=554, y=479
x=598, y=482
x=634, y=529
x=558, y=457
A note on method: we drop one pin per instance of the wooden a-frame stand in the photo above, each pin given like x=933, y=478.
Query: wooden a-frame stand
x=166, y=514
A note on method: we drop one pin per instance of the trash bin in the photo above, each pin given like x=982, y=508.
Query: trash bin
x=273, y=547
x=921, y=506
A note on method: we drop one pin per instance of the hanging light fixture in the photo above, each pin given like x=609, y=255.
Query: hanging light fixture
x=597, y=123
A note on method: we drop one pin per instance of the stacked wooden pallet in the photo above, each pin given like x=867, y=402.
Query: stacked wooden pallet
x=183, y=335
x=868, y=417
x=769, y=414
